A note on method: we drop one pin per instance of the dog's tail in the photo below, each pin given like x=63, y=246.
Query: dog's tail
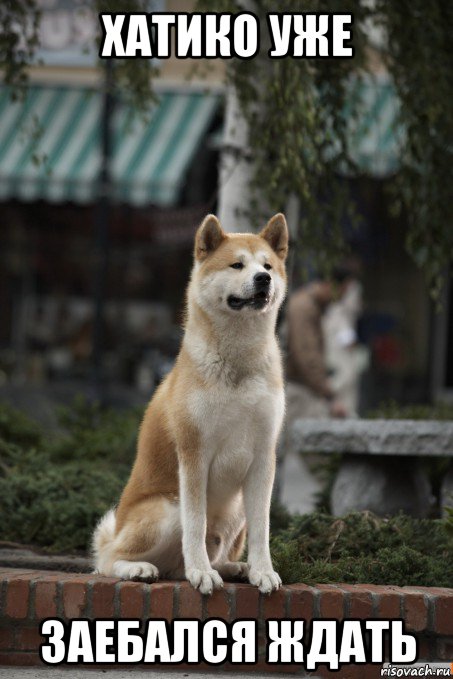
x=102, y=542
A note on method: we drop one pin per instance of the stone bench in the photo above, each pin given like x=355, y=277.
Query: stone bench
x=380, y=469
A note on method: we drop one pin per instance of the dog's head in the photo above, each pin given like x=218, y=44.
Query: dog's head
x=240, y=273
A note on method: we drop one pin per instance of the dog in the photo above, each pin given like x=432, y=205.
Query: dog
x=205, y=463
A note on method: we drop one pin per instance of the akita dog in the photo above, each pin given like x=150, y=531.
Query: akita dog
x=206, y=451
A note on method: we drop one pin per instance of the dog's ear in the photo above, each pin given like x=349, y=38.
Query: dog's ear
x=208, y=238
x=276, y=234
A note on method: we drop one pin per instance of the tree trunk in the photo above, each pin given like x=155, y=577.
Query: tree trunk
x=236, y=168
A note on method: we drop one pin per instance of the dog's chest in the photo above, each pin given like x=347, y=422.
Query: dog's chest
x=234, y=423
x=224, y=413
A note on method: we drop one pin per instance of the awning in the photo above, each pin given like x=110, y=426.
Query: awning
x=374, y=134
x=50, y=145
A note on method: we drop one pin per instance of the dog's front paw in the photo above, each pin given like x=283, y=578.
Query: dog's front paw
x=266, y=581
x=234, y=570
x=204, y=580
x=135, y=570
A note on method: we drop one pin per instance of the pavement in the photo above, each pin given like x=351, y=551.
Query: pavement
x=14, y=555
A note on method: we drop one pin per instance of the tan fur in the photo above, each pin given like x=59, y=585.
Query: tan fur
x=206, y=449
x=238, y=546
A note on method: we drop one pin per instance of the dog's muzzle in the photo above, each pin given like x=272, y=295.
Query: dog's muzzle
x=260, y=298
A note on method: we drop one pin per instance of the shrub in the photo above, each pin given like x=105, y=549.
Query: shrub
x=95, y=434
x=54, y=506
x=361, y=547
x=53, y=489
x=391, y=410
x=15, y=427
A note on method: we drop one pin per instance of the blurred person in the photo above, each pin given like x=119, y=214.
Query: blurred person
x=346, y=359
x=309, y=391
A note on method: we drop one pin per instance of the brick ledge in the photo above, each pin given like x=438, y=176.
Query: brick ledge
x=28, y=596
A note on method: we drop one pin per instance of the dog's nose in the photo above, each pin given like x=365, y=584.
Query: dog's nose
x=262, y=279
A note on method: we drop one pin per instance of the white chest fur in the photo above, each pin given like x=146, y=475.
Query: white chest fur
x=235, y=424
x=239, y=409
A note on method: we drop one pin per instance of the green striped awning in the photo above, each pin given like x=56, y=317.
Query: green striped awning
x=50, y=145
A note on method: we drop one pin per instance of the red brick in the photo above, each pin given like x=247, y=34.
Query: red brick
x=17, y=597
x=301, y=601
x=218, y=604
x=273, y=605
x=131, y=597
x=74, y=599
x=46, y=599
x=389, y=605
x=131, y=600
x=161, y=605
x=28, y=639
x=54, y=578
x=444, y=615
x=434, y=591
x=379, y=589
x=415, y=611
x=360, y=601
x=103, y=598
x=6, y=637
x=247, y=601
x=331, y=603
x=50, y=576
x=20, y=659
x=7, y=572
x=189, y=601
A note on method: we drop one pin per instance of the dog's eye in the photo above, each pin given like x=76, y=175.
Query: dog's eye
x=268, y=267
x=237, y=265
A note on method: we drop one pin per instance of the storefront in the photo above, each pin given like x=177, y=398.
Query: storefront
x=163, y=178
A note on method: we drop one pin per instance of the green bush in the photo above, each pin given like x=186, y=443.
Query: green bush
x=391, y=410
x=54, y=487
x=92, y=433
x=361, y=547
x=18, y=428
